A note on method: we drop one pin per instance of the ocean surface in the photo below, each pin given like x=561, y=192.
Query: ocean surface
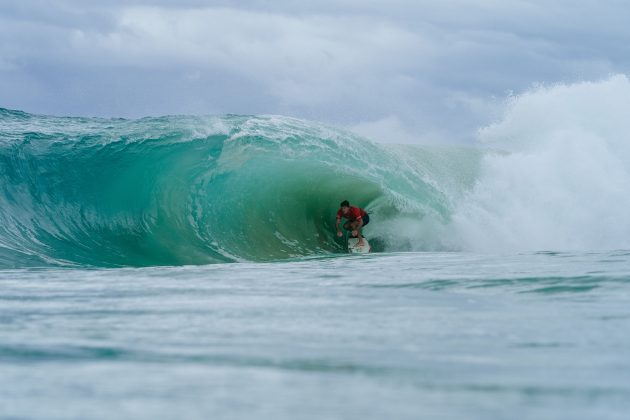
x=187, y=267
x=393, y=335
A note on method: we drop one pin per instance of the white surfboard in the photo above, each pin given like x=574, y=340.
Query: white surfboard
x=354, y=248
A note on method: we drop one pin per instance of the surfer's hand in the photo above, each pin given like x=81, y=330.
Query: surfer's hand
x=355, y=232
x=339, y=234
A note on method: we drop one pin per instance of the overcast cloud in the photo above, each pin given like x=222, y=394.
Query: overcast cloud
x=412, y=71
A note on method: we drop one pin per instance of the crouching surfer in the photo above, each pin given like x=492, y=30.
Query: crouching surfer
x=357, y=218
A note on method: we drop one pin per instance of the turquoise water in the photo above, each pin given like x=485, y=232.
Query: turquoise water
x=198, y=190
x=187, y=267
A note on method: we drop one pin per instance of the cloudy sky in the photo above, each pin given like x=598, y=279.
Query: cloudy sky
x=397, y=70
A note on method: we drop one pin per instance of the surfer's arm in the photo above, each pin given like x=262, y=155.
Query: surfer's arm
x=337, y=224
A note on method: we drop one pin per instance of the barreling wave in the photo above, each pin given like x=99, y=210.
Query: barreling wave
x=553, y=174
x=196, y=190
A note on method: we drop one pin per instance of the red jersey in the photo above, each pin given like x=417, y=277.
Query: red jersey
x=353, y=214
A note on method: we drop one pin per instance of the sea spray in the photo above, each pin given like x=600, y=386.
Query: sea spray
x=562, y=178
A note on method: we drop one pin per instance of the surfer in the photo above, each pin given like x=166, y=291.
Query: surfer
x=357, y=218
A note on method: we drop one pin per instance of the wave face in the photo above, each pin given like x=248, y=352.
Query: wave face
x=197, y=190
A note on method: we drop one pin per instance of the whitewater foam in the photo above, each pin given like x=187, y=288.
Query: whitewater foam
x=564, y=183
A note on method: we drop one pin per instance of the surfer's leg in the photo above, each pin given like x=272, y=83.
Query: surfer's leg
x=352, y=226
x=366, y=220
x=356, y=226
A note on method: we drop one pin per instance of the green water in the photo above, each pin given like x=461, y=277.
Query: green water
x=198, y=190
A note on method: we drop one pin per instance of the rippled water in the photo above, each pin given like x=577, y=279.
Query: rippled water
x=400, y=336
